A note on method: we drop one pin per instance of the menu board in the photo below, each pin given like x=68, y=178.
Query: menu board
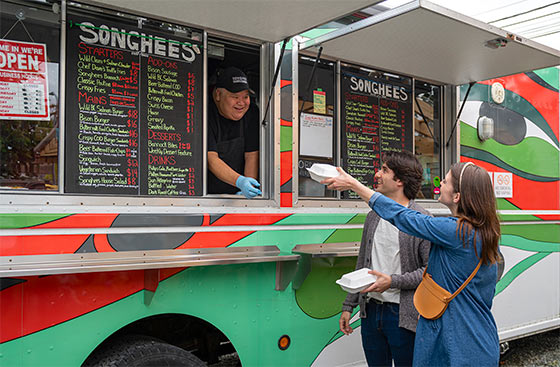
x=376, y=118
x=134, y=111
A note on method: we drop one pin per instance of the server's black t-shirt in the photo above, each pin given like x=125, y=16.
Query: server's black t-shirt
x=230, y=129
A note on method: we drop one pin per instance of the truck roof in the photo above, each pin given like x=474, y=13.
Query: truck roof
x=434, y=43
x=264, y=20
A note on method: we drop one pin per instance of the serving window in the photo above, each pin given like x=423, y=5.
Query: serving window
x=222, y=55
x=29, y=97
x=427, y=136
x=380, y=112
x=317, y=123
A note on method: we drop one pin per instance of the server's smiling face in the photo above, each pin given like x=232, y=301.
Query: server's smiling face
x=232, y=106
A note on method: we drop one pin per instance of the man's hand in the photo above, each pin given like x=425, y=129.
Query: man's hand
x=341, y=182
x=382, y=283
x=248, y=186
x=346, y=182
x=344, y=323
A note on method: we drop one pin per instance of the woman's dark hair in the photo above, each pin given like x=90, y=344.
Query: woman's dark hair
x=406, y=168
x=477, y=208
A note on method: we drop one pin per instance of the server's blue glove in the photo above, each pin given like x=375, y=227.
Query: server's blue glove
x=248, y=186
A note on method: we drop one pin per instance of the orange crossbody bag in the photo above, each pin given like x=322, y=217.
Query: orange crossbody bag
x=431, y=300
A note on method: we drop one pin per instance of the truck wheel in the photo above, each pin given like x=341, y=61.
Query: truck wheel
x=141, y=351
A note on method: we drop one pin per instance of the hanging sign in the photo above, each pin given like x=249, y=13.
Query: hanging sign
x=23, y=80
x=319, y=101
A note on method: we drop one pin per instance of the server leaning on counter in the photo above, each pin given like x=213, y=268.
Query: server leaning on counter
x=233, y=136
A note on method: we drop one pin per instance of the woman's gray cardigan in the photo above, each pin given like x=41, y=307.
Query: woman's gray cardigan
x=413, y=252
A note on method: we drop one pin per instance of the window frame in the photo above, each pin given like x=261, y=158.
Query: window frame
x=336, y=131
x=60, y=114
x=441, y=129
x=264, y=131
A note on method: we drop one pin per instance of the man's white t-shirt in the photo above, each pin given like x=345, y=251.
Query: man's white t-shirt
x=385, y=258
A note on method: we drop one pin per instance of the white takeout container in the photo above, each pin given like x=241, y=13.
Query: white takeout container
x=356, y=281
x=321, y=171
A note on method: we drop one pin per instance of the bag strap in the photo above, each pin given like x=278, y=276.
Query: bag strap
x=466, y=281
x=464, y=284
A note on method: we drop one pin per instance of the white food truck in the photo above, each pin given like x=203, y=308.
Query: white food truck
x=113, y=252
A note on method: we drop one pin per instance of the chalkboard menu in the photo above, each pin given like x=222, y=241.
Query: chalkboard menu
x=134, y=110
x=376, y=118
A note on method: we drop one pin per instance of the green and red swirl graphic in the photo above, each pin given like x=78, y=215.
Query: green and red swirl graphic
x=525, y=143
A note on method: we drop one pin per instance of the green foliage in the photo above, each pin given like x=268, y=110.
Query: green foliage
x=17, y=140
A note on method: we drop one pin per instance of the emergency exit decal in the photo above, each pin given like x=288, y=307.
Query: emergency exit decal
x=23, y=80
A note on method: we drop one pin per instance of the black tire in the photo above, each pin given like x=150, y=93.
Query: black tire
x=141, y=351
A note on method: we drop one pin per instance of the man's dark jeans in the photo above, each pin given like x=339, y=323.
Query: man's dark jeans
x=382, y=338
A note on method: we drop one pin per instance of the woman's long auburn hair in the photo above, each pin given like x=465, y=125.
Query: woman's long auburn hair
x=476, y=209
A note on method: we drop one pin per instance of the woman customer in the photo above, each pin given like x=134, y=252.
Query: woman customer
x=466, y=334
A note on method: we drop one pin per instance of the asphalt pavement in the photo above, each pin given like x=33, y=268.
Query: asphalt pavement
x=537, y=350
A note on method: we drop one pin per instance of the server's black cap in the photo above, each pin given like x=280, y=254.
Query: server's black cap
x=233, y=79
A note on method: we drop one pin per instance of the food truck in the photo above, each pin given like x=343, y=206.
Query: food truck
x=113, y=252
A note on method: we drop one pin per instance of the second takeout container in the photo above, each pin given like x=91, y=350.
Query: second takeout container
x=321, y=171
x=356, y=281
